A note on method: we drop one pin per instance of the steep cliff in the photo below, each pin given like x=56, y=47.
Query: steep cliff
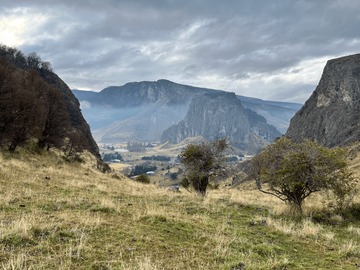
x=331, y=115
x=217, y=115
x=276, y=113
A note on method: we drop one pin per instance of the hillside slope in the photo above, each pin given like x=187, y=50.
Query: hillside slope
x=37, y=105
x=58, y=215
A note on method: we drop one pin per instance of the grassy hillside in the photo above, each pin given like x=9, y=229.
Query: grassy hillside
x=57, y=215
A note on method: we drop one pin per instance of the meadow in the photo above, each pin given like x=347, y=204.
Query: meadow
x=56, y=214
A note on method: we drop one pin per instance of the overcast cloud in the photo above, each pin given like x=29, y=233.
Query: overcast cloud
x=268, y=49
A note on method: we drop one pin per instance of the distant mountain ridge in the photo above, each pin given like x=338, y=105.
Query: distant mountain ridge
x=139, y=93
x=276, y=113
x=331, y=115
x=143, y=110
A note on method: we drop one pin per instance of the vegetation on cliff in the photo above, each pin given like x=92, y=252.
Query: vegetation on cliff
x=35, y=105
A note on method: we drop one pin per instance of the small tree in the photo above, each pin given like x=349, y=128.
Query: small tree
x=293, y=171
x=201, y=161
x=143, y=178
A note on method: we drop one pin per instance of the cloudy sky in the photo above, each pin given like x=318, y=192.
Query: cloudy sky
x=268, y=49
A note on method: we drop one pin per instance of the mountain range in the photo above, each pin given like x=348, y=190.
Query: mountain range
x=143, y=111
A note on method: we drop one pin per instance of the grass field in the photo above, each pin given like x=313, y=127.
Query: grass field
x=60, y=215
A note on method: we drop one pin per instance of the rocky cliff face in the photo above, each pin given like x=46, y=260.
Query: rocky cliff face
x=219, y=115
x=137, y=111
x=331, y=115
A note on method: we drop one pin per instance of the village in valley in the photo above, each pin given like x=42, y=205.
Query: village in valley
x=160, y=162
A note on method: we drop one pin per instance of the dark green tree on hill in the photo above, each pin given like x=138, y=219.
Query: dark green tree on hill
x=293, y=171
x=201, y=161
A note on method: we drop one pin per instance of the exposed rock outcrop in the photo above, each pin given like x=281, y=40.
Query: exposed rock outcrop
x=219, y=115
x=331, y=115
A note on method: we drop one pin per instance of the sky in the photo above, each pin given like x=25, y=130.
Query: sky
x=269, y=49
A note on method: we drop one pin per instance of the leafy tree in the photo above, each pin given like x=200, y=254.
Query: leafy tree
x=293, y=171
x=56, y=123
x=21, y=112
x=201, y=161
x=173, y=176
x=33, y=107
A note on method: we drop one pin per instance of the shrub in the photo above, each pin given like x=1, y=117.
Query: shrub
x=201, y=161
x=143, y=178
x=293, y=171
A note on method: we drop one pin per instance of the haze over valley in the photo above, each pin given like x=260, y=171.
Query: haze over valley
x=143, y=111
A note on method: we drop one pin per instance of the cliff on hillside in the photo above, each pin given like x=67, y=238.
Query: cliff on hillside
x=218, y=115
x=331, y=115
x=37, y=105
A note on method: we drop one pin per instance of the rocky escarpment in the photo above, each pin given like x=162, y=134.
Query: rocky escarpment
x=216, y=116
x=331, y=115
x=276, y=113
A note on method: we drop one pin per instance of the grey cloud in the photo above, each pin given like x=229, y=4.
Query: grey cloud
x=96, y=43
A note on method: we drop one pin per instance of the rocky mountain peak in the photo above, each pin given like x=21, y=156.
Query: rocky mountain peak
x=339, y=82
x=217, y=115
x=331, y=115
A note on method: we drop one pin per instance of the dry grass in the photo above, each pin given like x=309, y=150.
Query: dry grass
x=305, y=228
x=354, y=230
x=59, y=215
x=16, y=262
